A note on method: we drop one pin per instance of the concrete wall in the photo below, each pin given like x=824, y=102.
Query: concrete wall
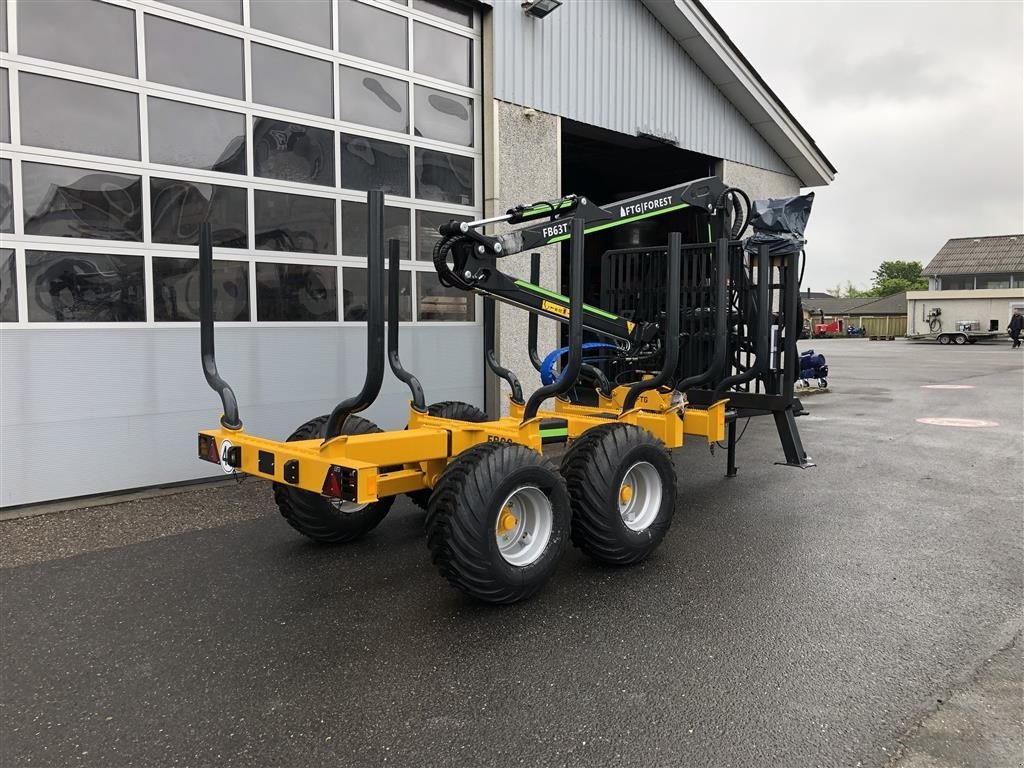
x=759, y=183
x=981, y=306
x=525, y=166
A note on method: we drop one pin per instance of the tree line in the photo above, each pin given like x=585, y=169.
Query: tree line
x=890, y=277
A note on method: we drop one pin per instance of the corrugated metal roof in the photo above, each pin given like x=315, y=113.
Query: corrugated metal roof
x=896, y=304
x=832, y=305
x=997, y=254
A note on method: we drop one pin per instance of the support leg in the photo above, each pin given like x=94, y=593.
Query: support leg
x=789, y=435
x=730, y=454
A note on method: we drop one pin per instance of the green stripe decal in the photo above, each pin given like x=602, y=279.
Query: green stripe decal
x=620, y=222
x=563, y=432
x=563, y=299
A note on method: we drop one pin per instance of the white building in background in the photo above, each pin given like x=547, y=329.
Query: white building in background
x=971, y=280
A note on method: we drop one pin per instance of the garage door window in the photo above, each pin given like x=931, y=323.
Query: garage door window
x=295, y=223
x=85, y=287
x=6, y=196
x=292, y=81
x=372, y=33
x=354, y=282
x=191, y=136
x=8, y=287
x=443, y=55
x=176, y=290
x=77, y=117
x=178, y=208
x=444, y=177
x=292, y=152
x=427, y=224
x=296, y=292
x=444, y=116
x=193, y=58
x=227, y=10
x=79, y=202
x=371, y=99
x=373, y=164
x=85, y=33
x=353, y=238
x=435, y=302
x=305, y=20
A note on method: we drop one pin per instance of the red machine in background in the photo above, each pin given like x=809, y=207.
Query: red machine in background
x=827, y=330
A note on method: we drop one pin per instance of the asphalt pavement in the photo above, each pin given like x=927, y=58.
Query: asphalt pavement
x=859, y=613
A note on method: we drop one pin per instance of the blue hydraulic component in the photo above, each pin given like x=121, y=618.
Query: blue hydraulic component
x=547, y=368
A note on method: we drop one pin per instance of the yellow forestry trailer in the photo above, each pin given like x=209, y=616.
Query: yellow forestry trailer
x=708, y=349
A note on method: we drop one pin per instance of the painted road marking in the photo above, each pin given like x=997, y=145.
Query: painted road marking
x=947, y=386
x=952, y=422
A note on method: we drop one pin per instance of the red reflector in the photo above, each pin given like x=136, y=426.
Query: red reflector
x=208, y=449
x=332, y=483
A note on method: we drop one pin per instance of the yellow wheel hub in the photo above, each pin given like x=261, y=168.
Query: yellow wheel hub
x=625, y=494
x=506, y=521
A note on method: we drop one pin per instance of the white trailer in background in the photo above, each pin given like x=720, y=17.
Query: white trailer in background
x=954, y=337
x=961, y=316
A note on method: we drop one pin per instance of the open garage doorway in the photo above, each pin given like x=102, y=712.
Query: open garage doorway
x=607, y=166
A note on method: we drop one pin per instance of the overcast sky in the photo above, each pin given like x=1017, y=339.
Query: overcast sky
x=918, y=105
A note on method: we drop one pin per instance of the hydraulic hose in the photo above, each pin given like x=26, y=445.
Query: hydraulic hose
x=740, y=213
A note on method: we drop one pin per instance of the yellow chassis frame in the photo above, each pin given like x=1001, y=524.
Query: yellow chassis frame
x=400, y=461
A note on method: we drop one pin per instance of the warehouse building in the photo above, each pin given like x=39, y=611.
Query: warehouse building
x=974, y=283
x=125, y=123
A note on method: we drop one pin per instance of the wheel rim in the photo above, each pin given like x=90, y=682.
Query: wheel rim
x=524, y=524
x=640, y=496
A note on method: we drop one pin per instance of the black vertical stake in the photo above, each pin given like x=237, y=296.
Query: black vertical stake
x=763, y=330
x=785, y=422
x=374, y=320
x=531, y=342
x=668, y=368
x=790, y=303
x=719, y=362
x=492, y=362
x=571, y=370
x=230, y=419
x=415, y=389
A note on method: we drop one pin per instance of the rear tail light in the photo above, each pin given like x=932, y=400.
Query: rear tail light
x=208, y=449
x=341, y=483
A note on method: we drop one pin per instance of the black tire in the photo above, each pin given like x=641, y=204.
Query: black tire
x=448, y=409
x=943, y=339
x=960, y=339
x=316, y=516
x=464, y=515
x=595, y=468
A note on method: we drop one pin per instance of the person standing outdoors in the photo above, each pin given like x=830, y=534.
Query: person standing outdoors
x=1015, y=326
